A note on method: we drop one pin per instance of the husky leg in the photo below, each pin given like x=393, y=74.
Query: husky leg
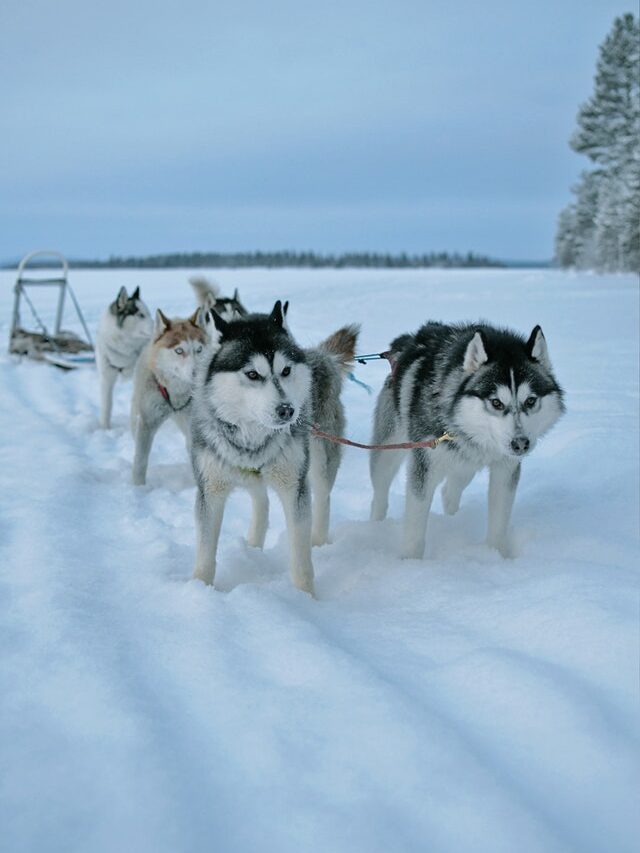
x=453, y=488
x=421, y=484
x=323, y=471
x=108, y=378
x=260, y=517
x=145, y=433
x=209, y=513
x=296, y=502
x=383, y=465
x=503, y=482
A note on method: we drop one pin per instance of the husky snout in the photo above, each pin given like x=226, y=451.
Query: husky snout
x=284, y=412
x=520, y=445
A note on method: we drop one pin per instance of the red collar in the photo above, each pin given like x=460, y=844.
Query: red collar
x=164, y=392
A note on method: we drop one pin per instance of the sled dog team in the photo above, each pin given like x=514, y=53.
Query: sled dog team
x=248, y=399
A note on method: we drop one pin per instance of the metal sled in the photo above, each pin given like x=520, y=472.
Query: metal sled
x=63, y=348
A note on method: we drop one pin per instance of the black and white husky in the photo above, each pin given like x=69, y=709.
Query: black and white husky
x=253, y=405
x=491, y=390
x=124, y=330
x=209, y=298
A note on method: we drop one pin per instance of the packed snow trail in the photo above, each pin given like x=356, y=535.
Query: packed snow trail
x=463, y=702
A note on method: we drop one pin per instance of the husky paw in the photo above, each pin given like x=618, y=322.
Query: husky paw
x=412, y=552
x=504, y=548
x=204, y=575
x=378, y=511
x=305, y=585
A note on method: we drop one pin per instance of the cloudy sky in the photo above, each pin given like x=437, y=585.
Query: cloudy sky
x=154, y=126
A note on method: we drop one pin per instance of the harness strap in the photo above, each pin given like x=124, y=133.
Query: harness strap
x=376, y=356
x=403, y=445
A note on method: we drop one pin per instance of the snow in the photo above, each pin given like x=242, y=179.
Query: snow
x=460, y=703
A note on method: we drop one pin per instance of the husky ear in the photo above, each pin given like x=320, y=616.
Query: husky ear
x=236, y=295
x=537, y=348
x=276, y=315
x=220, y=324
x=136, y=293
x=121, y=299
x=162, y=323
x=285, y=308
x=476, y=353
x=200, y=318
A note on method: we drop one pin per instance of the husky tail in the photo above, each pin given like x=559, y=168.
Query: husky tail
x=342, y=346
x=206, y=291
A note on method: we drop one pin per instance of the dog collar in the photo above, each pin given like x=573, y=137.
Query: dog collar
x=113, y=366
x=166, y=396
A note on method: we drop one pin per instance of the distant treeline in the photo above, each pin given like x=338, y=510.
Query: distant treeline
x=293, y=259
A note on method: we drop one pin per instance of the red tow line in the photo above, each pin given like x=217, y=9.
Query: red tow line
x=403, y=445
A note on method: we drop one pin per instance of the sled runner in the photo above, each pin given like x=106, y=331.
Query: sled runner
x=60, y=347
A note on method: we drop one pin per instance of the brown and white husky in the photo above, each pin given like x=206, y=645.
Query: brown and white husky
x=163, y=381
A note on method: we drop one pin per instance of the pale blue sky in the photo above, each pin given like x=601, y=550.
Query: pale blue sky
x=131, y=128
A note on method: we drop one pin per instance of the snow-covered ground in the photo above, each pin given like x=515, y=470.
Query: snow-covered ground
x=460, y=703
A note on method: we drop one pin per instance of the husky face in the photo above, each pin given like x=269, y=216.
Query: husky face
x=131, y=315
x=178, y=347
x=228, y=307
x=209, y=298
x=258, y=375
x=508, y=397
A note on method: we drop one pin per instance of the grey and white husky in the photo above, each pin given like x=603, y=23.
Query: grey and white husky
x=163, y=382
x=124, y=330
x=208, y=297
x=491, y=390
x=254, y=402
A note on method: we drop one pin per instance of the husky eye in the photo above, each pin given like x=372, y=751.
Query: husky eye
x=199, y=349
x=140, y=314
x=286, y=371
x=178, y=351
x=497, y=404
x=253, y=375
x=530, y=402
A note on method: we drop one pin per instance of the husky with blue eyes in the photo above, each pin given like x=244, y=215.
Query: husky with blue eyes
x=492, y=391
x=163, y=381
x=255, y=399
x=125, y=329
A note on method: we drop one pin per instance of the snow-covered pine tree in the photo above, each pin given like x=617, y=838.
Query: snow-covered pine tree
x=588, y=191
x=630, y=215
x=565, y=248
x=602, y=228
x=609, y=122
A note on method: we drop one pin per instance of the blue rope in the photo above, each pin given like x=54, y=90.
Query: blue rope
x=362, y=384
